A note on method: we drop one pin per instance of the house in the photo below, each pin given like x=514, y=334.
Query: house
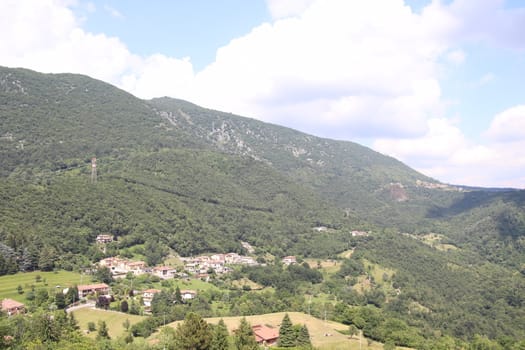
x=12, y=307
x=356, y=233
x=164, y=272
x=137, y=267
x=88, y=289
x=289, y=260
x=119, y=266
x=231, y=258
x=265, y=335
x=104, y=239
x=147, y=296
x=188, y=294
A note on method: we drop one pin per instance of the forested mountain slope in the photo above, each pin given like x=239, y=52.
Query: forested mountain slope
x=172, y=176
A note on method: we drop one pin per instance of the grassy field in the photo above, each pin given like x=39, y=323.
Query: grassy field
x=324, y=335
x=327, y=266
x=195, y=284
x=9, y=283
x=114, y=320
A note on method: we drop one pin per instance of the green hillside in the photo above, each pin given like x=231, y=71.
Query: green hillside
x=173, y=177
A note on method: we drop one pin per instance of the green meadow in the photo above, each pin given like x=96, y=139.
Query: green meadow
x=53, y=279
x=114, y=320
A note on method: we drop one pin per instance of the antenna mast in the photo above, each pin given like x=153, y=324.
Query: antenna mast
x=94, y=170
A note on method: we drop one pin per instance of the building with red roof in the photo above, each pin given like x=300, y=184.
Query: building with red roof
x=265, y=335
x=87, y=289
x=12, y=307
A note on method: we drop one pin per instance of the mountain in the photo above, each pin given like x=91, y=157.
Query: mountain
x=53, y=124
x=173, y=176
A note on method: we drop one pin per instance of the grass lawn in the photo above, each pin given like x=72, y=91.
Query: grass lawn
x=9, y=283
x=328, y=267
x=324, y=335
x=114, y=320
x=192, y=283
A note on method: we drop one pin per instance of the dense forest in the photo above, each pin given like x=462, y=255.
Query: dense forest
x=175, y=178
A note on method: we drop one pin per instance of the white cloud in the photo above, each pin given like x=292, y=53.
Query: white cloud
x=280, y=9
x=486, y=79
x=508, y=125
x=456, y=57
x=156, y=75
x=113, y=12
x=369, y=67
x=445, y=153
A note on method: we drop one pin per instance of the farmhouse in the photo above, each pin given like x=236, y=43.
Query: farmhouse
x=164, y=272
x=12, y=307
x=265, y=335
x=89, y=289
x=147, y=296
x=188, y=294
x=104, y=239
x=289, y=260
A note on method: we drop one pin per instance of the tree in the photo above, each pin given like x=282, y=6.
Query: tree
x=244, y=337
x=124, y=307
x=303, y=337
x=46, y=262
x=103, y=274
x=103, y=332
x=178, y=296
x=60, y=300
x=71, y=295
x=219, y=340
x=352, y=330
x=103, y=302
x=193, y=334
x=286, y=333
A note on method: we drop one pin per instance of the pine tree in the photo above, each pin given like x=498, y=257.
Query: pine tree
x=220, y=337
x=178, y=296
x=244, y=337
x=193, y=334
x=71, y=295
x=103, y=332
x=286, y=333
x=303, y=337
x=124, y=307
x=60, y=300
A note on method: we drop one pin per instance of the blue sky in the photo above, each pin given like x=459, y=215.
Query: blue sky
x=436, y=84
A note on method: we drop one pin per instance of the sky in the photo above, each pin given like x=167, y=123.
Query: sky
x=438, y=85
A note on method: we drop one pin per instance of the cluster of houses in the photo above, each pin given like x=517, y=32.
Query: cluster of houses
x=149, y=294
x=199, y=266
x=202, y=265
x=102, y=289
x=120, y=266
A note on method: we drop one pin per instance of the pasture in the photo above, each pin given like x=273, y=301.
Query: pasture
x=50, y=280
x=114, y=320
x=325, y=335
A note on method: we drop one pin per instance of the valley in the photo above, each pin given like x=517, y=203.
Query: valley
x=406, y=260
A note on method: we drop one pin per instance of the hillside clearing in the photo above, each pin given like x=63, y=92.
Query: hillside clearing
x=325, y=335
x=49, y=280
x=114, y=320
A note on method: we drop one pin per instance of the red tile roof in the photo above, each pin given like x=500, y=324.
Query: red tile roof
x=152, y=291
x=92, y=286
x=8, y=304
x=264, y=333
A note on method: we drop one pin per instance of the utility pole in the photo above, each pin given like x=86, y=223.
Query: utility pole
x=94, y=170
